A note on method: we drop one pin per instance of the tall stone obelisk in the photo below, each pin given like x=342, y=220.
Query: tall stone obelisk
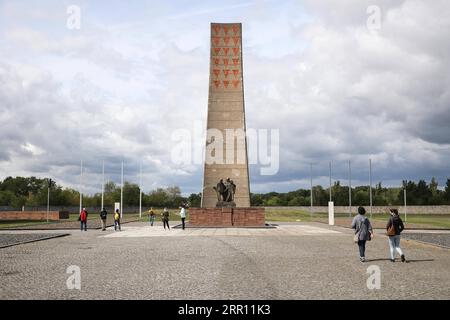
x=226, y=145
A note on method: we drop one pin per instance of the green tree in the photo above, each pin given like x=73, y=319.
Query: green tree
x=447, y=191
x=256, y=199
x=195, y=199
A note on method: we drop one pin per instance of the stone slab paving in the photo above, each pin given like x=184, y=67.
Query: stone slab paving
x=282, y=230
x=305, y=261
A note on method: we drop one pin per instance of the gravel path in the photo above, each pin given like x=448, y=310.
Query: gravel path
x=441, y=239
x=11, y=239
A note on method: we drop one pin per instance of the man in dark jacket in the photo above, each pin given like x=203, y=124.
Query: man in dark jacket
x=396, y=223
x=103, y=215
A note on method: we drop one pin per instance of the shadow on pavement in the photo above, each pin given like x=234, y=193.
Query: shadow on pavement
x=407, y=261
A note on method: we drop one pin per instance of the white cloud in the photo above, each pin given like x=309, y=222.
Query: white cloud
x=116, y=89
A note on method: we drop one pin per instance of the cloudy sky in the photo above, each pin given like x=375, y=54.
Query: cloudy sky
x=336, y=85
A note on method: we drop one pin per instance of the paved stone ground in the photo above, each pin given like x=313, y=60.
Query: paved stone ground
x=304, y=261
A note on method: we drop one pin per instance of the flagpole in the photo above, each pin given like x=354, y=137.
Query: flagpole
x=311, y=196
x=140, y=191
x=370, y=187
x=330, y=181
x=121, y=193
x=81, y=183
x=350, y=187
x=103, y=182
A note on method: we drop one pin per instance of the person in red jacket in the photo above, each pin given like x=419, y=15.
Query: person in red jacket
x=83, y=219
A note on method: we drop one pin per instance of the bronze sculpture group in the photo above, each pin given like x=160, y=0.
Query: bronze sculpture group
x=225, y=193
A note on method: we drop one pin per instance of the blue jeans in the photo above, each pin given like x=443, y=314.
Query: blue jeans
x=394, y=244
x=83, y=224
x=362, y=248
x=152, y=219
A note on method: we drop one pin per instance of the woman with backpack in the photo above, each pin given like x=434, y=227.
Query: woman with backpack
x=394, y=227
x=363, y=232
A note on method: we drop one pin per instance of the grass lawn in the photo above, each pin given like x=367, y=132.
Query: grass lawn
x=21, y=223
x=275, y=215
x=290, y=215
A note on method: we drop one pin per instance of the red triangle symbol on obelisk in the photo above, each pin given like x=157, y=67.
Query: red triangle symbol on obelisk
x=216, y=72
x=216, y=30
x=236, y=73
x=216, y=50
x=225, y=61
x=216, y=41
x=216, y=83
x=226, y=50
x=225, y=29
x=236, y=51
x=226, y=40
x=225, y=83
x=235, y=30
x=235, y=61
x=236, y=40
x=226, y=72
x=235, y=83
x=216, y=61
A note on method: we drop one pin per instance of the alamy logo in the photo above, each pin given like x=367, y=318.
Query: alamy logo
x=74, y=18
x=228, y=146
x=74, y=280
x=374, y=280
x=373, y=22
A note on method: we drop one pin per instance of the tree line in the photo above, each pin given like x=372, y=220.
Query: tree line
x=419, y=193
x=32, y=192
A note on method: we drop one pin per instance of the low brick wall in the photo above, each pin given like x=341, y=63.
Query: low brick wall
x=33, y=215
x=227, y=217
x=375, y=209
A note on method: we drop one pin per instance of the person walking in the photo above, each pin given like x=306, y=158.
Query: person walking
x=117, y=220
x=151, y=216
x=103, y=215
x=183, y=215
x=394, y=227
x=83, y=219
x=363, y=232
x=165, y=218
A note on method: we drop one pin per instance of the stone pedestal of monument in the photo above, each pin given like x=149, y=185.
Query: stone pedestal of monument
x=227, y=217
